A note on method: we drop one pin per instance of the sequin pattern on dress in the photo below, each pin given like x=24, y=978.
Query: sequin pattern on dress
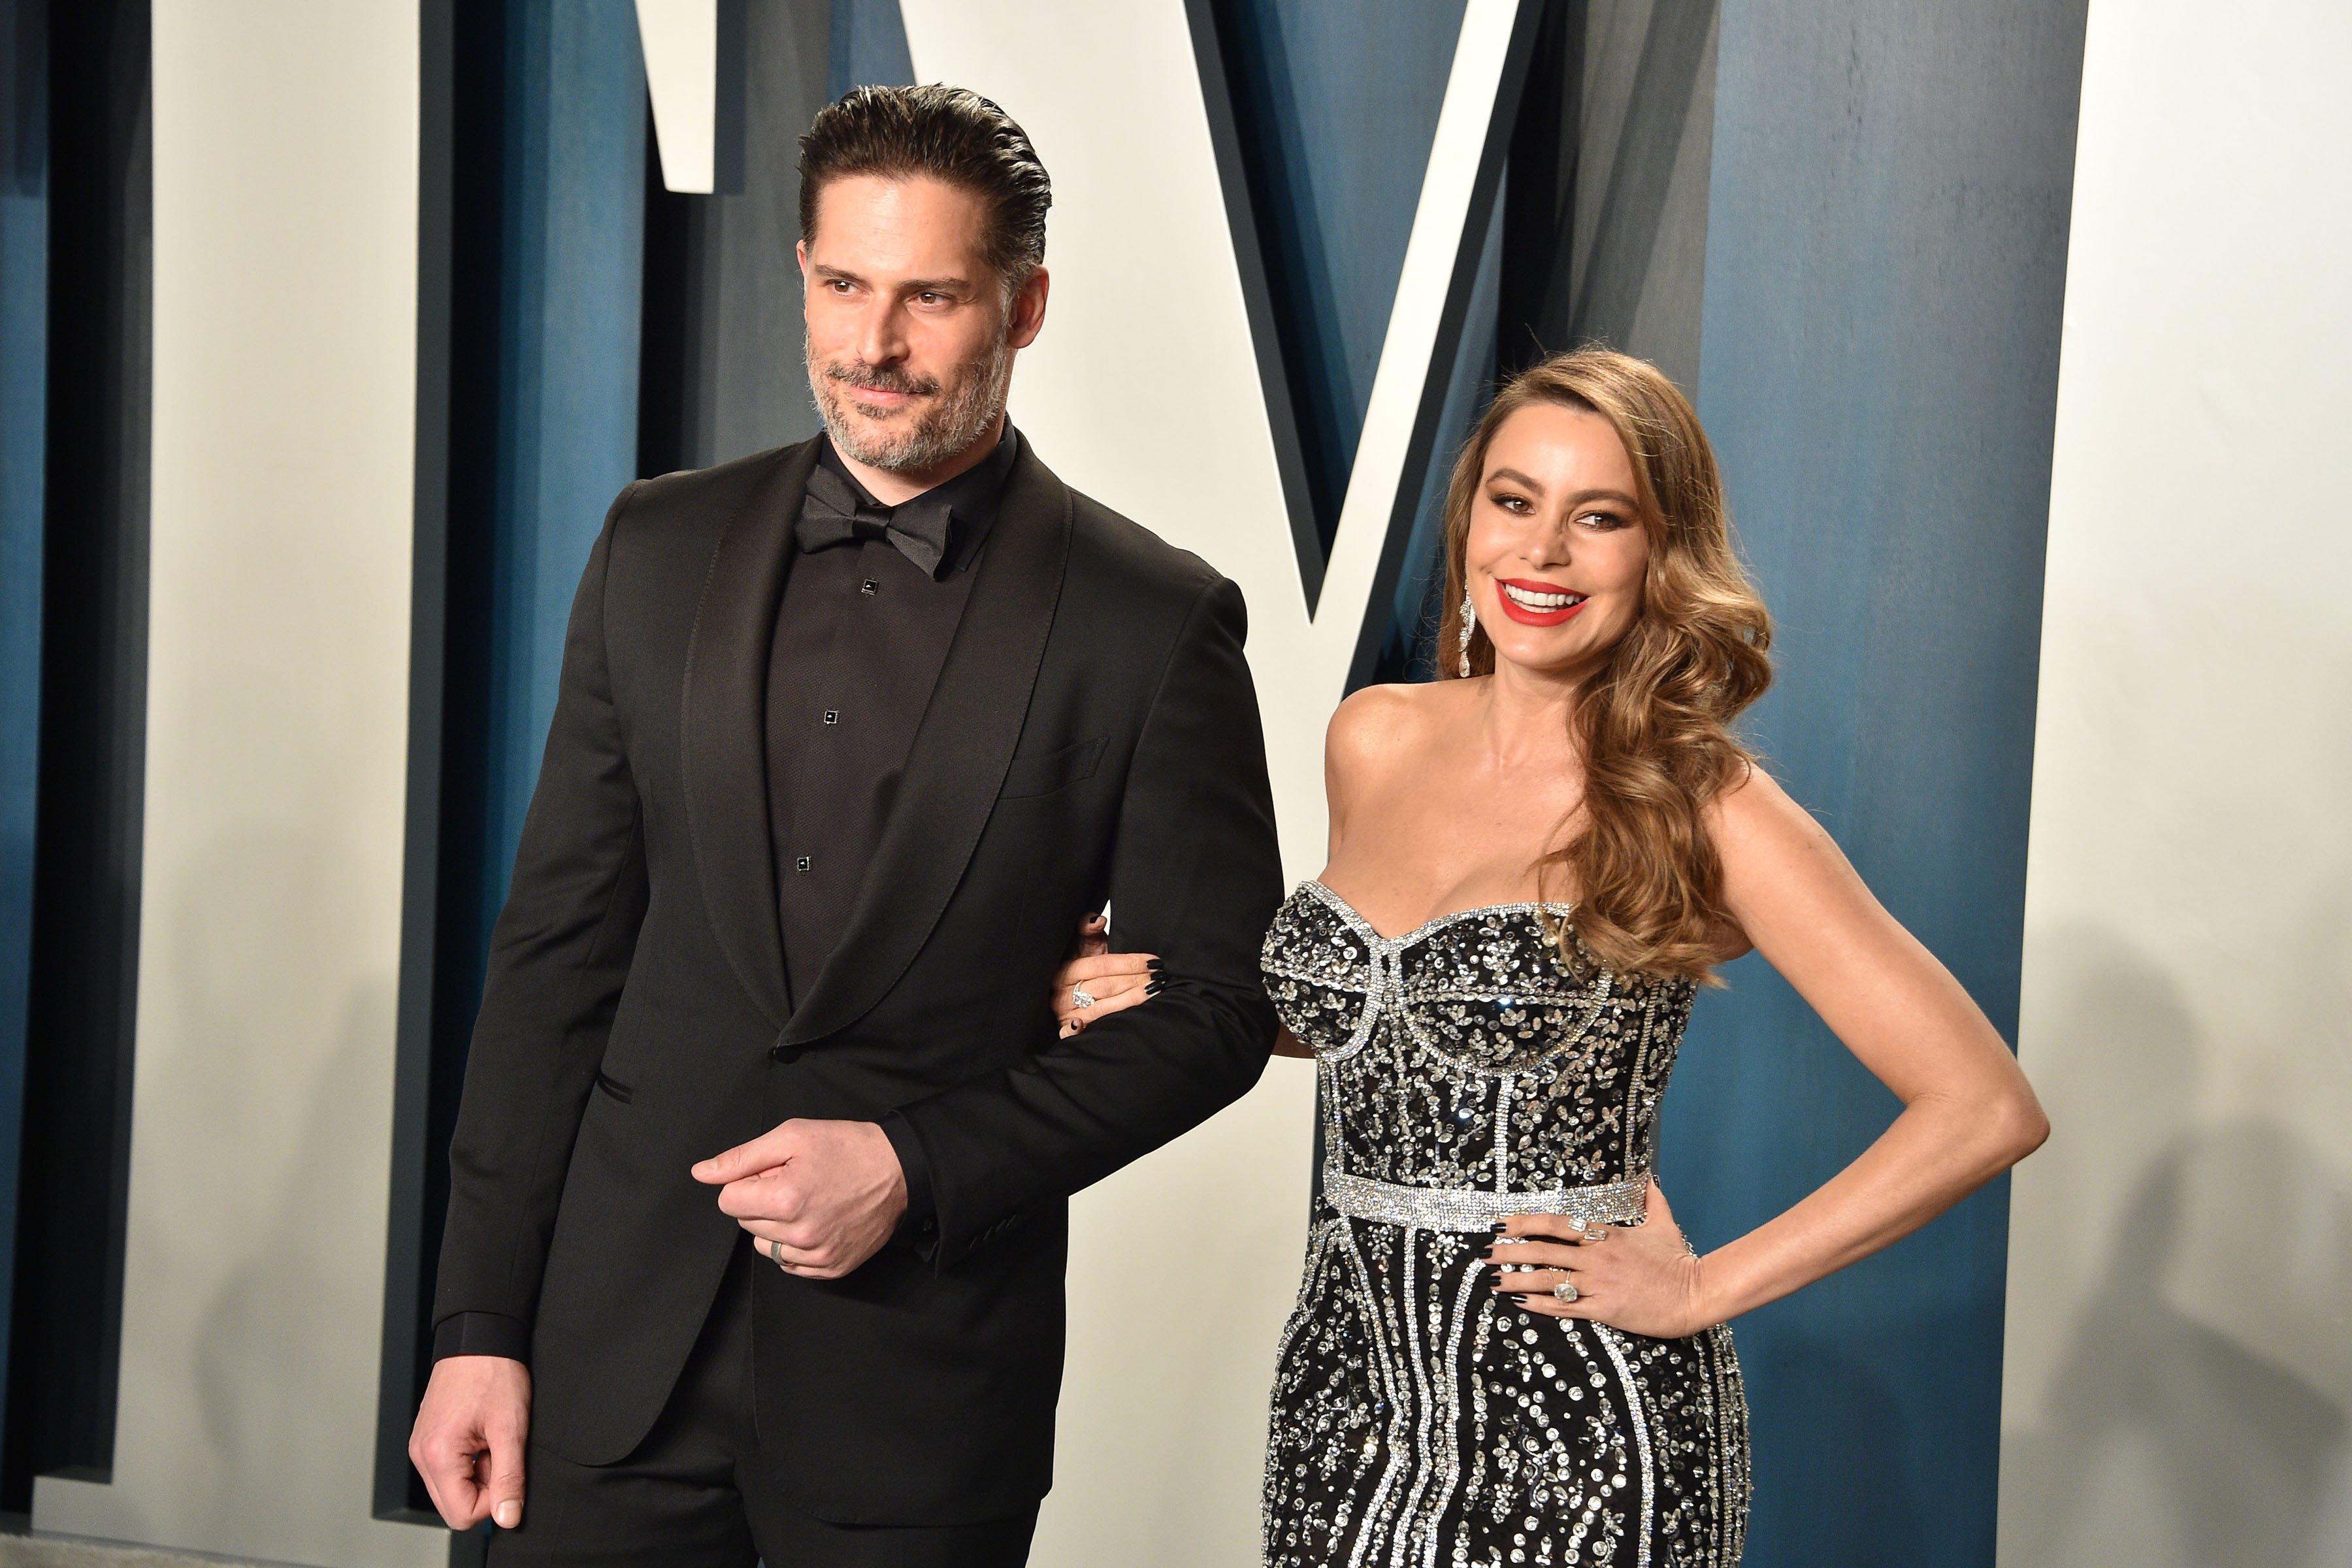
x=1418, y=1419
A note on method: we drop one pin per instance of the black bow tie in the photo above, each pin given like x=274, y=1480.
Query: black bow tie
x=832, y=512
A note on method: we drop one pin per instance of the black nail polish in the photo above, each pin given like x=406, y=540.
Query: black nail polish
x=1520, y=1297
x=1153, y=964
x=1498, y=1228
x=1153, y=989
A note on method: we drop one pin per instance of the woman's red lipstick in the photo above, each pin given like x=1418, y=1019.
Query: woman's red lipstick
x=1540, y=613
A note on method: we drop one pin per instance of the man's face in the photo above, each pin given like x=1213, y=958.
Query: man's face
x=910, y=337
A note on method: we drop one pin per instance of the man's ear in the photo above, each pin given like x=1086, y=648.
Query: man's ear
x=800, y=251
x=1029, y=310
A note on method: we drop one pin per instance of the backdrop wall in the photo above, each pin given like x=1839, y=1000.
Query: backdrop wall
x=23, y=406
x=1845, y=222
x=1886, y=253
x=285, y=327
x=2178, y=1382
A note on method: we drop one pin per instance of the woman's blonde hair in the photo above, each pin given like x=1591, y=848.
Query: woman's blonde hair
x=1653, y=723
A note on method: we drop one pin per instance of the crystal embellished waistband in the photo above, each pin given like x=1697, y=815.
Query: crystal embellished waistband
x=1473, y=1208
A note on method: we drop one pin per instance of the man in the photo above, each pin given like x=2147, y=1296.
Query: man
x=758, y=1215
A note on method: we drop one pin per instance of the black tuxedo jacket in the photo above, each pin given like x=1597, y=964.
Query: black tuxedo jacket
x=1094, y=735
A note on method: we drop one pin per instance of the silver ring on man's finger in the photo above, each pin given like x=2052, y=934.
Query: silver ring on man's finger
x=1079, y=997
x=776, y=1255
x=1566, y=1290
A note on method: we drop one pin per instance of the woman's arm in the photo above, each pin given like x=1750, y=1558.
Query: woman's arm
x=1967, y=1112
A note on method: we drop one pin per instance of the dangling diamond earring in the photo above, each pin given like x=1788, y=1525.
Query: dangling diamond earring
x=1469, y=624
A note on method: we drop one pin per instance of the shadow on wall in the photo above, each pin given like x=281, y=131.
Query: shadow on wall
x=2198, y=1411
x=271, y=1264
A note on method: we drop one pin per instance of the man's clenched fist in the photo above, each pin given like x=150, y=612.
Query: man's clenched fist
x=820, y=1197
x=467, y=1443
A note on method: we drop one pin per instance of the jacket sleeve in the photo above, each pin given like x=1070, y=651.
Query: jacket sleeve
x=1195, y=878
x=559, y=956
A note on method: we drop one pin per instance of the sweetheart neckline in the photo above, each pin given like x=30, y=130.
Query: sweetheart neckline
x=1355, y=917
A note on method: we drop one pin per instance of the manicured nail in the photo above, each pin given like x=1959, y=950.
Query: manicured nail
x=1153, y=964
x=1153, y=989
x=1520, y=1297
x=1499, y=1226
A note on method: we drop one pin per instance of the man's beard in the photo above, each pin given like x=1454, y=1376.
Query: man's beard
x=973, y=398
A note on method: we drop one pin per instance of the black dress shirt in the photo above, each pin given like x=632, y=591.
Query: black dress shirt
x=861, y=636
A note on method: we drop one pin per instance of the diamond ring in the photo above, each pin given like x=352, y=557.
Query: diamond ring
x=1079, y=997
x=1566, y=1290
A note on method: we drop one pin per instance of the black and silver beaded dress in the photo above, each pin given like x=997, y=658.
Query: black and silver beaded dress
x=1420, y=1419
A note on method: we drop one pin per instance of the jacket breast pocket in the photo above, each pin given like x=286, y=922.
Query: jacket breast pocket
x=1046, y=771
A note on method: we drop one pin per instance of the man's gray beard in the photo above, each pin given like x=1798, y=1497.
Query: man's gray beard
x=953, y=423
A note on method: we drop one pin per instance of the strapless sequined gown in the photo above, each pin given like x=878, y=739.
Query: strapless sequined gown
x=1418, y=1419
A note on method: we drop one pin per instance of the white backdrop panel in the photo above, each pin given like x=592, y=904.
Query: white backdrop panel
x=2179, y=1362
x=1143, y=391
x=285, y=345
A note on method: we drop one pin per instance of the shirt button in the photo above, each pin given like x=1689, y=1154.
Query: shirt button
x=871, y=586
x=833, y=715
x=802, y=864
x=782, y=1054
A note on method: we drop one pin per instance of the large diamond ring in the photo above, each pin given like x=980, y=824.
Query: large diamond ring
x=1079, y=997
x=1566, y=1290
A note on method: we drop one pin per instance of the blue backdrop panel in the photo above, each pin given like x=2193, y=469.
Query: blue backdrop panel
x=575, y=246
x=1885, y=263
x=24, y=399
x=868, y=47
x=1335, y=104
x=1409, y=649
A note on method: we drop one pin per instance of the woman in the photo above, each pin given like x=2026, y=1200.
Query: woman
x=1503, y=1351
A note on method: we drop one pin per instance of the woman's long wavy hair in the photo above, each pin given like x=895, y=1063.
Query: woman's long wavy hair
x=1653, y=723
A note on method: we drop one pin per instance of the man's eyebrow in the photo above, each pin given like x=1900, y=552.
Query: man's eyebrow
x=912, y=286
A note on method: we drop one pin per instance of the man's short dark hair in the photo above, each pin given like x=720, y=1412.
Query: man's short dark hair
x=949, y=134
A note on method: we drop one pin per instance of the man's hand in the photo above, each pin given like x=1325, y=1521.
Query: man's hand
x=828, y=1193
x=468, y=1444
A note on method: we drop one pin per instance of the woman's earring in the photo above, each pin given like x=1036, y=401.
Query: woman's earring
x=1469, y=624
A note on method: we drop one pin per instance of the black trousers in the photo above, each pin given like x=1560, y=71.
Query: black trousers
x=697, y=1493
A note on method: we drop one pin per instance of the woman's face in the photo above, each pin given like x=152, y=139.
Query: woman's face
x=1557, y=551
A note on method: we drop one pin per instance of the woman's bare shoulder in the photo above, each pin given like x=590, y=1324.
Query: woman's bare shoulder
x=1753, y=813
x=1382, y=727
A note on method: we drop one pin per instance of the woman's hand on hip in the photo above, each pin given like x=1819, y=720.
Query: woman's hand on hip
x=1642, y=1278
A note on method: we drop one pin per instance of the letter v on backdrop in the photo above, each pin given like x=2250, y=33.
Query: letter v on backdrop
x=1156, y=385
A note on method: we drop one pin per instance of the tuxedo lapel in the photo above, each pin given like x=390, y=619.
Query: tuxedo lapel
x=725, y=729
x=960, y=752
